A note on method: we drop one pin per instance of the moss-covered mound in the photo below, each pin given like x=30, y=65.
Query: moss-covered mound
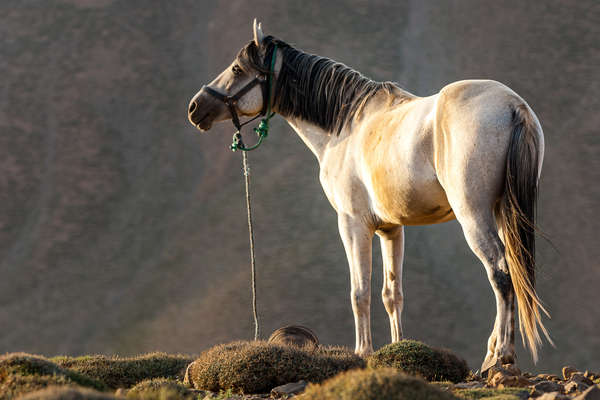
x=68, y=393
x=118, y=372
x=375, y=384
x=22, y=373
x=257, y=367
x=160, y=389
x=417, y=358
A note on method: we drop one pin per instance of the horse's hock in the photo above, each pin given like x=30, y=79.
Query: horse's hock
x=295, y=335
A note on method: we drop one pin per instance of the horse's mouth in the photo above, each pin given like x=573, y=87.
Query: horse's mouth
x=203, y=123
x=203, y=126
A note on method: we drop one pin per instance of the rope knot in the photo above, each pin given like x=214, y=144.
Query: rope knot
x=262, y=129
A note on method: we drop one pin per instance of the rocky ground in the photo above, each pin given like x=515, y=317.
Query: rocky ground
x=227, y=369
x=506, y=382
x=502, y=383
x=571, y=384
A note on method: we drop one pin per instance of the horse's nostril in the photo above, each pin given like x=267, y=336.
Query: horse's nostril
x=192, y=107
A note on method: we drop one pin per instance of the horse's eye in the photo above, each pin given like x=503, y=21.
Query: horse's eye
x=236, y=70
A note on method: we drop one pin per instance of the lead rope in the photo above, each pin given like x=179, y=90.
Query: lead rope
x=262, y=131
x=251, y=236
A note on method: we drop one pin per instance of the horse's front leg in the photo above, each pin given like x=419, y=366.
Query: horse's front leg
x=392, y=252
x=357, y=238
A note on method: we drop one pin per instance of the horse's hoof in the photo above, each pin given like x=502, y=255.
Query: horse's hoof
x=363, y=353
x=489, y=362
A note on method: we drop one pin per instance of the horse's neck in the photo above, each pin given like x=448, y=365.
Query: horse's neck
x=314, y=137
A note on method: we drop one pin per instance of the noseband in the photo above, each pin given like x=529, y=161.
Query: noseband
x=231, y=101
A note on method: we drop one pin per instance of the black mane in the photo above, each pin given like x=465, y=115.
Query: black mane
x=313, y=88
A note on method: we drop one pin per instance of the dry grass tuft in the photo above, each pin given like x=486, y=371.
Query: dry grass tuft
x=68, y=393
x=416, y=358
x=22, y=373
x=118, y=372
x=375, y=384
x=492, y=394
x=257, y=367
x=160, y=389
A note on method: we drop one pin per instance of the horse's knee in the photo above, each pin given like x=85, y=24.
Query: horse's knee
x=392, y=298
x=361, y=298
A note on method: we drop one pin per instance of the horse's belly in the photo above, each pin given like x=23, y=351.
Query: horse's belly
x=405, y=204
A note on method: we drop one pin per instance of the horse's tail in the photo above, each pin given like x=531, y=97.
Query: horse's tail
x=516, y=216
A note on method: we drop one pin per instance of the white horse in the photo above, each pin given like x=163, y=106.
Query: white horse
x=388, y=159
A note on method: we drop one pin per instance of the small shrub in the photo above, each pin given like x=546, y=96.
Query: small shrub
x=416, y=358
x=370, y=384
x=257, y=367
x=118, y=372
x=22, y=373
x=160, y=389
x=68, y=393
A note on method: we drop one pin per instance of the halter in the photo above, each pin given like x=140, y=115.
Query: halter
x=231, y=101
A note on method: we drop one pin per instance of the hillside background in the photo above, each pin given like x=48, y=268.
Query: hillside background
x=122, y=228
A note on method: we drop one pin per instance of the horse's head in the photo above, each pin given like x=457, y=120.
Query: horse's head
x=241, y=89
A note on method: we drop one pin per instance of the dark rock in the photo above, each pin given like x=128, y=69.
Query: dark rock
x=289, y=389
x=548, y=386
x=549, y=377
x=592, y=393
x=581, y=378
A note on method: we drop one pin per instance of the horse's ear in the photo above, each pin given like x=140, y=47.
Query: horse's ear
x=258, y=33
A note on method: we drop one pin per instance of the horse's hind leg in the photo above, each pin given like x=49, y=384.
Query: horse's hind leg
x=392, y=252
x=482, y=236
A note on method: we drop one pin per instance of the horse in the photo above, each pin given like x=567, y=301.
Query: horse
x=389, y=159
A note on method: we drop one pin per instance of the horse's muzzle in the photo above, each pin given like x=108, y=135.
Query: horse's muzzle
x=199, y=116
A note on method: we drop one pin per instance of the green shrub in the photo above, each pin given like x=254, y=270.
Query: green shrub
x=257, y=367
x=23, y=373
x=160, y=389
x=68, y=393
x=374, y=384
x=417, y=358
x=118, y=372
